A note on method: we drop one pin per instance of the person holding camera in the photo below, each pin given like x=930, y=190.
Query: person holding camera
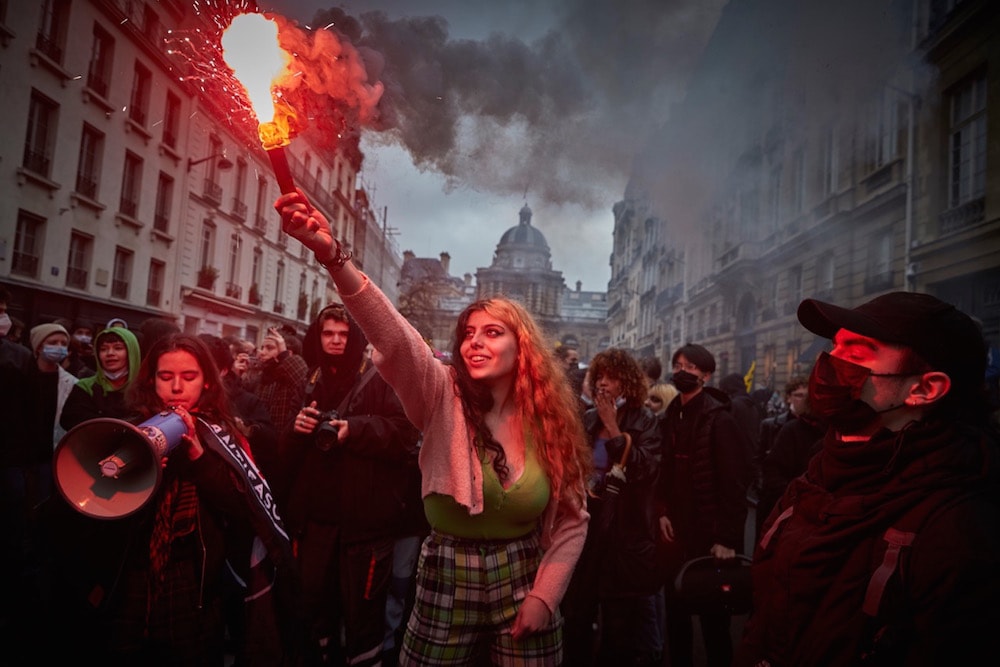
x=349, y=460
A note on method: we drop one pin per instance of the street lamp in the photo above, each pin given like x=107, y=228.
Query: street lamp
x=223, y=164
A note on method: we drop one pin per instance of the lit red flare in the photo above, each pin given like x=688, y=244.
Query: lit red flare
x=251, y=48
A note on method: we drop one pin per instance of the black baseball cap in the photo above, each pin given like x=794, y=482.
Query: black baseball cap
x=945, y=337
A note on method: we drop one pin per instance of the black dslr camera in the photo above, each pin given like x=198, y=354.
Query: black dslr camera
x=326, y=433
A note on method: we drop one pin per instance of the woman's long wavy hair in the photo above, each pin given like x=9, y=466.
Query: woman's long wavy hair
x=214, y=402
x=622, y=366
x=543, y=398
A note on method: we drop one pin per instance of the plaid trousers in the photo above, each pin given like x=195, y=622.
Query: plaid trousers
x=468, y=595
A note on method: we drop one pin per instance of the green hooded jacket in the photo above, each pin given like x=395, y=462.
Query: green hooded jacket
x=94, y=396
x=134, y=359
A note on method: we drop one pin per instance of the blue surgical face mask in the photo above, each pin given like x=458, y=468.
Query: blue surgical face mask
x=5, y=324
x=54, y=353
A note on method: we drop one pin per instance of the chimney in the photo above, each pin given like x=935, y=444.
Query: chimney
x=579, y=285
x=468, y=279
x=408, y=255
x=445, y=261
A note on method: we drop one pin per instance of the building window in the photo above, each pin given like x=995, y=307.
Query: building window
x=825, y=271
x=151, y=26
x=27, y=244
x=211, y=189
x=101, y=56
x=41, y=134
x=89, y=166
x=78, y=262
x=795, y=285
x=775, y=197
x=798, y=181
x=51, y=36
x=239, y=205
x=139, y=100
x=207, y=249
x=967, y=155
x=164, y=197
x=882, y=147
x=154, y=286
x=279, y=288
x=131, y=185
x=831, y=163
x=258, y=259
x=879, y=274
x=121, y=273
x=260, y=205
x=233, y=288
x=303, y=299
x=171, y=120
x=215, y=148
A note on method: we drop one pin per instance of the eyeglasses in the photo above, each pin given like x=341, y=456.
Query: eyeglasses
x=654, y=399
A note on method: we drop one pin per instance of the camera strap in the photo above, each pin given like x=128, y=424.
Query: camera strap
x=356, y=389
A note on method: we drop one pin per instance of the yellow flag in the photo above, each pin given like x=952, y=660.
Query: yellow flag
x=748, y=378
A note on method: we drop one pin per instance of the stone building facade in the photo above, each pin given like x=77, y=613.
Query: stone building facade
x=131, y=192
x=877, y=176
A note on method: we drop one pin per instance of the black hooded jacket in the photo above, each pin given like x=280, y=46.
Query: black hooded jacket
x=705, y=473
x=360, y=485
x=829, y=538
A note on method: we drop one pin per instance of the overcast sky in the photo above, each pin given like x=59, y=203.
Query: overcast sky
x=499, y=104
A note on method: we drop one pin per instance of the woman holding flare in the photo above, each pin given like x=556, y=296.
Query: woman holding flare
x=503, y=461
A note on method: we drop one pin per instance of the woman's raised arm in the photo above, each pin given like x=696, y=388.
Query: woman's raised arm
x=310, y=227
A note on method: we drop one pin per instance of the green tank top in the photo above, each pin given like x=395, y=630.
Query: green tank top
x=507, y=513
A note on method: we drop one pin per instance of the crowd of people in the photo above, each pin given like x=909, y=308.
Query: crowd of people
x=349, y=498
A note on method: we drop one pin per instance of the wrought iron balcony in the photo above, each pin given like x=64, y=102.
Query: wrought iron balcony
x=25, y=265
x=212, y=191
x=76, y=277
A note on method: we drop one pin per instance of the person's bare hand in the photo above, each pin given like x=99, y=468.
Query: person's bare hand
x=306, y=421
x=607, y=410
x=194, y=448
x=666, y=529
x=304, y=223
x=721, y=552
x=279, y=340
x=531, y=617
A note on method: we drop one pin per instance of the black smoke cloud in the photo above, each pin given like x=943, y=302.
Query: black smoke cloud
x=560, y=118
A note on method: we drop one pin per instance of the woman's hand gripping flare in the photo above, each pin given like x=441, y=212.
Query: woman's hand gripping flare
x=307, y=225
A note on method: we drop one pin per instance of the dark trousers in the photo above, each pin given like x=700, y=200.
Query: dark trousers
x=714, y=632
x=344, y=583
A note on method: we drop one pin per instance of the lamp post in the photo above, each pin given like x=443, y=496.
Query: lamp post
x=224, y=163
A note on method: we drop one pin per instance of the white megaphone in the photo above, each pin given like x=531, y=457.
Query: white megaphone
x=109, y=468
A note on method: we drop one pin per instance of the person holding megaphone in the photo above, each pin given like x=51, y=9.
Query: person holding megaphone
x=164, y=605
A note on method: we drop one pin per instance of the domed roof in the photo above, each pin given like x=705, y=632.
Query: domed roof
x=524, y=234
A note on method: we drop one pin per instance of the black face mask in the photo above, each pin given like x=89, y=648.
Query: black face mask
x=835, y=394
x=685, y=382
